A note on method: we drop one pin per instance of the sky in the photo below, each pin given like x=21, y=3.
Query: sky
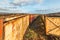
x=30, y=6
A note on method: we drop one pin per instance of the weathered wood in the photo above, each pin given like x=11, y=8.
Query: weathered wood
x=53, y=26
x=1, y=29
x=8, y=18
x=8, y=31
x=32, y=17
x=15, y=29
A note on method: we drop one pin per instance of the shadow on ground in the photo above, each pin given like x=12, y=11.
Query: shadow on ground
x=36, y=31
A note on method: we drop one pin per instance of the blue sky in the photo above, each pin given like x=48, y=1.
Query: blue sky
x=30, y=6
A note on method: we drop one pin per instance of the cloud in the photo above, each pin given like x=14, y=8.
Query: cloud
x=17, y=1
x=39, y=1
x=3, y=2
x=23, y=2
x=4, y=5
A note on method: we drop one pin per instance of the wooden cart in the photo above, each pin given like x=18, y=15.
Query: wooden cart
x=52, y=24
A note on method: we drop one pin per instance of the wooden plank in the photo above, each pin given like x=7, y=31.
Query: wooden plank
x=8, y=31
x=25, y=23
x=17, y=28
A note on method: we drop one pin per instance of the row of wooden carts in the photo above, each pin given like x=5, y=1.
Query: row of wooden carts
x=14, y=26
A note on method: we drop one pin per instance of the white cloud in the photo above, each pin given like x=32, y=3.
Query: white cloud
x=17, y=1
x=27, y=1
x=40, y=1
x=3, y=2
